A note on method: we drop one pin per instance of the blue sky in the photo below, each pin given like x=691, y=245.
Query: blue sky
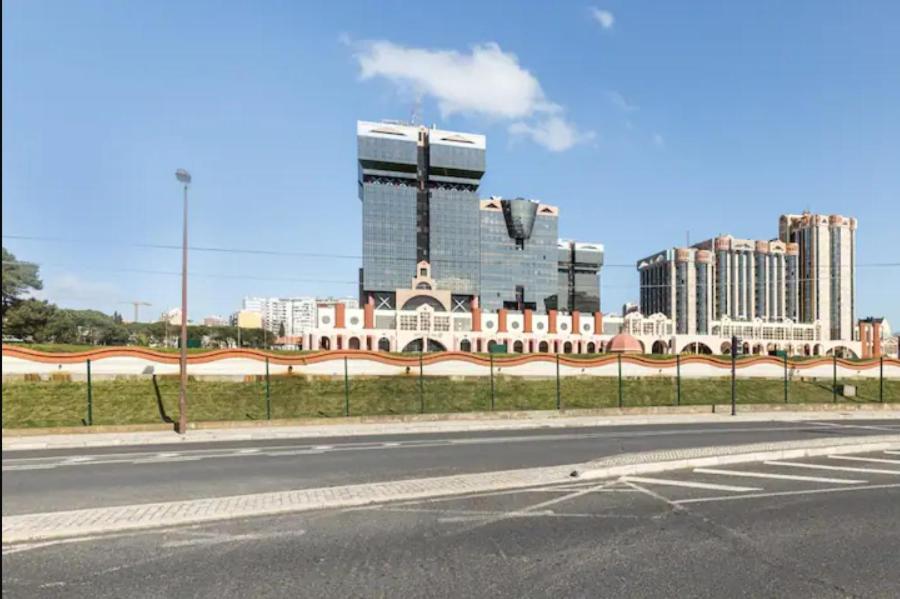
x=642, y=121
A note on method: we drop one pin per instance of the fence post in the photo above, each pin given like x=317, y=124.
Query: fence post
x=268, y=395
x=90, y=396
x=492, y=381
x=733, y=379
x=346, y=389
x=881, y=378
x=785, y=378
x=558, y=396
x=421, y=387
x=834, y=377
x=619, y=360
x=677, y=379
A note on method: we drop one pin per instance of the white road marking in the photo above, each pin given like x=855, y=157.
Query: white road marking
x=838, y=468
x=225, y=538
x=249, y=451
x=750, y=474
x=653, y=494
x=785, y=493
x=891, y=452
x=860, y=459
x=30, y=467
x=871, y=427
x=687, y=483
x=167, y=460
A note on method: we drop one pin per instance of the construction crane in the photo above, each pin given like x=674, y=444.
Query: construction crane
x=137, y=304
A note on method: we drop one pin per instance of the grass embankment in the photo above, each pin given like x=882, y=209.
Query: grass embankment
x=141, y=401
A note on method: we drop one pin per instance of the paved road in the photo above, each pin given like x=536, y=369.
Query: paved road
x=50, y=480
x=816, y=527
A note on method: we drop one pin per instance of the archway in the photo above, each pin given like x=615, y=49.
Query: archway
x=325, y=343
x=543, y=347
x=757, y=349
x=518, y=347
x=842, y=352
x=491, y=346
x=726, y=348
x=697, y=348
x=436, y=346
x=418, y=345
x=591, y=348
x=660, y=347
x=353, y=343
x=806, y=350
x=817, y=350
x=567, y=347
x=465, y=345
x=384, y=344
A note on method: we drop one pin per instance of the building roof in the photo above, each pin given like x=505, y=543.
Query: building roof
x=623, y=343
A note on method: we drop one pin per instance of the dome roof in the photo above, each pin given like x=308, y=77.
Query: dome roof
x=623, y=343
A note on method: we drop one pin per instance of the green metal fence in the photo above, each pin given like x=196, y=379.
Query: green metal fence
x=61, y=401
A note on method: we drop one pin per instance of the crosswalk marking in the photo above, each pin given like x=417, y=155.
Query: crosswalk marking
x=690, y=484
x=838, y=468
x=750, y=474
x=859, y=459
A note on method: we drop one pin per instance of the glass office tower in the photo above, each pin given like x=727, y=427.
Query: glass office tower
x=419, y=193
x=518, y=254
x=579, y=276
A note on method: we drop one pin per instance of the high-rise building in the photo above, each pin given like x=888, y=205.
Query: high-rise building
x=420, y=203
x=419, y=193
x=296, y=314
x=518, y=254
x=805, y=276
x=826, y=269
x=579, y=276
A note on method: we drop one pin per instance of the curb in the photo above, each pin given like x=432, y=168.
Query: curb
x=97, y=521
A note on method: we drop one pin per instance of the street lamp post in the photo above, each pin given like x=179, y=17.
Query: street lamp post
x=184, y=178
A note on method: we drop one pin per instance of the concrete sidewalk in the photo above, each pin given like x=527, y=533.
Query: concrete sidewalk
x=445, y=423
x=105, y=520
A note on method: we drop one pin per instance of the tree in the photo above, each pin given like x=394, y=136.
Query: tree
x=281, y=329
x=28, y=319
x=18, y=278
x=62, y=327
x=117, y=318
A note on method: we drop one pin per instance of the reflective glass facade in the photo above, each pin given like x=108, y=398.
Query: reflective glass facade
x=389, y=235
x=455, y=245
x=509, y=262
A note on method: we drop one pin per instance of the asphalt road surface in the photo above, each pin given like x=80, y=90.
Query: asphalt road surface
x=52, y=480
x=815, y=527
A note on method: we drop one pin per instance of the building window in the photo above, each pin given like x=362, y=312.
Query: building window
x=354, y=320
x=408, y=322
x=326, y=320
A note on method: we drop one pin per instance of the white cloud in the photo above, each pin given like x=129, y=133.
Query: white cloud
x=484, y=82
x=604, y=17
x=487, y=81
x=619, y=101
x=554, y=133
